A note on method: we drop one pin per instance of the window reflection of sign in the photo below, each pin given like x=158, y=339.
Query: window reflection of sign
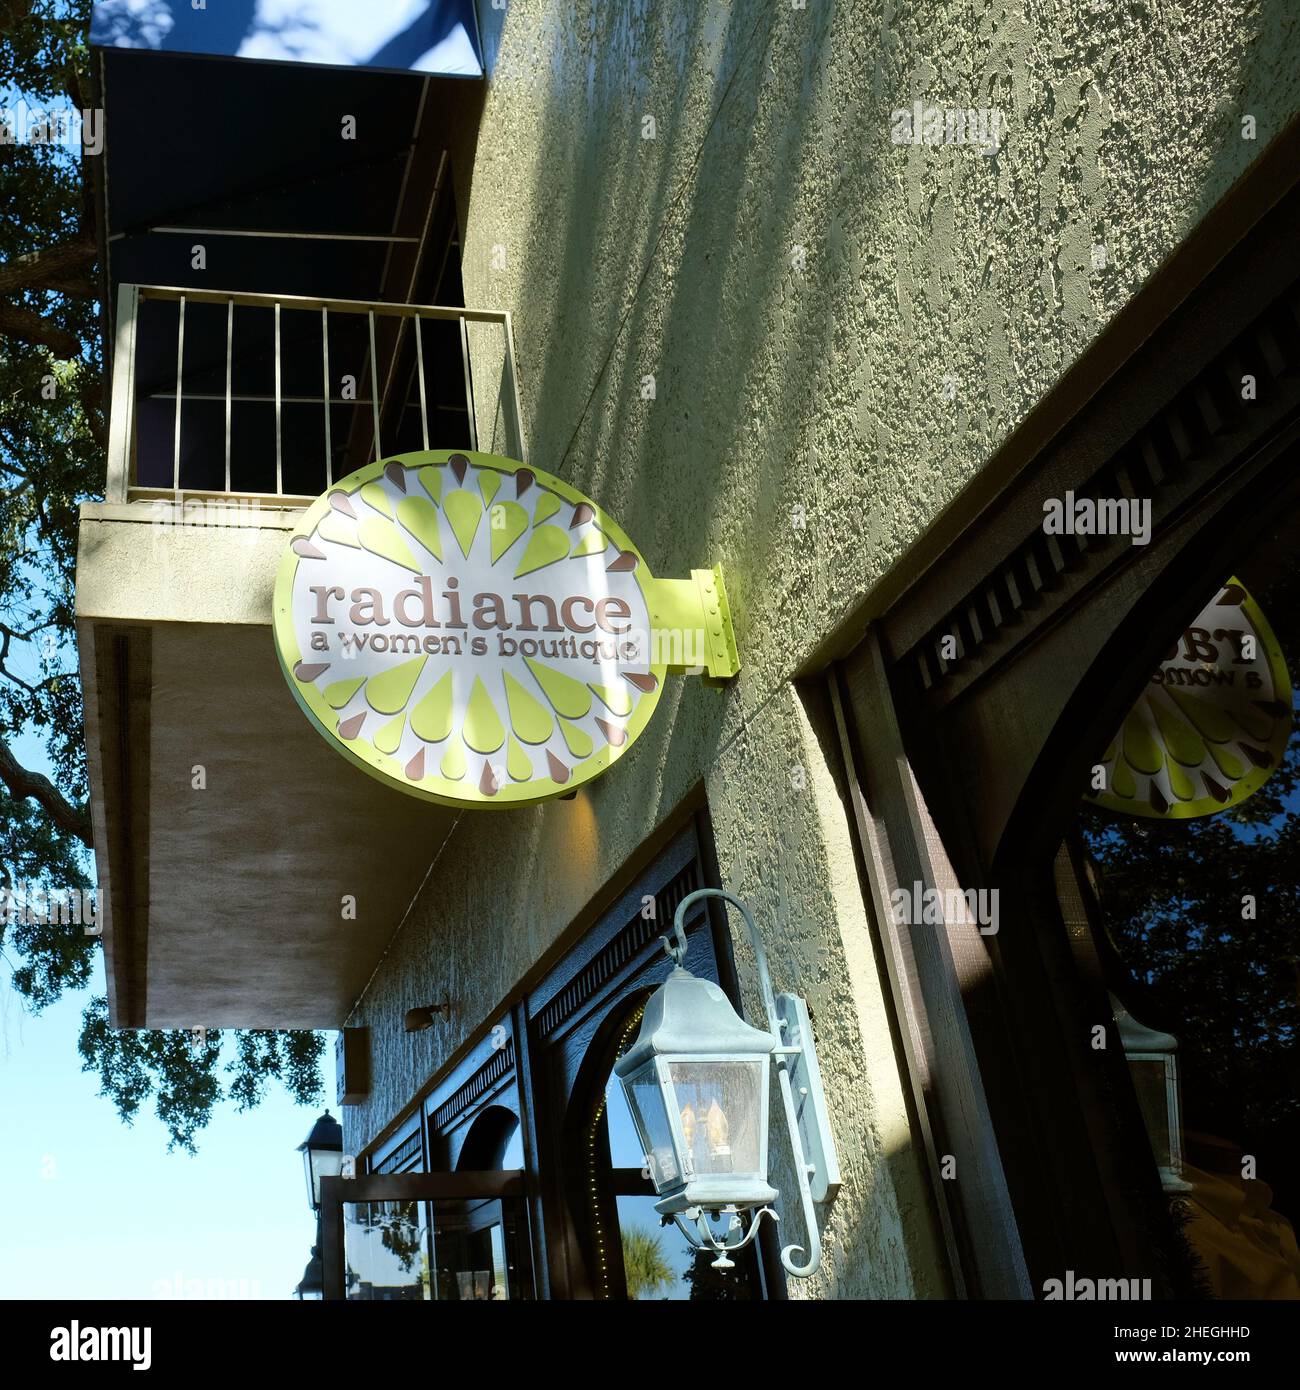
x=1212, y=724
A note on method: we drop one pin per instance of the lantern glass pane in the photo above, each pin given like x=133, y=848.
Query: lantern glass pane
x=646, y=1099
x=1150, y=1080
x=719, y=1108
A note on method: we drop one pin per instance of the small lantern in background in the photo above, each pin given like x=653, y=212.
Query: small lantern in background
x=1153, y=1064
x=322, y=1155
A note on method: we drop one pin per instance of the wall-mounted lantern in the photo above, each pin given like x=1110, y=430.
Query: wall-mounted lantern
x=697, y=1082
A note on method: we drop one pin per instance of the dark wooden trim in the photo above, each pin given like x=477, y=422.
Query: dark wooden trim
x=933, y=972
x=425, y=1187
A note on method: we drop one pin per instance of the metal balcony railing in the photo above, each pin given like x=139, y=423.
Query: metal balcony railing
x=276, y=396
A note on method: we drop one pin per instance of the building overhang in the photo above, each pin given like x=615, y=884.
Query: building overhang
x=249, y=876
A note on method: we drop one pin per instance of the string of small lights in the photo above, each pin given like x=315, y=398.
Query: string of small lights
x=593, y=1184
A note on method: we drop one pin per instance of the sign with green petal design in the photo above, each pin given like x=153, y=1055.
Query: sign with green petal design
x=1213, y=723
x=478, y=633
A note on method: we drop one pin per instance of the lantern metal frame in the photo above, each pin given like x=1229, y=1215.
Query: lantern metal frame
x=807, y=1122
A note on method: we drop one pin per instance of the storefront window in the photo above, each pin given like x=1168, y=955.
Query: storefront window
x=1197, y=921
x=387, y=1251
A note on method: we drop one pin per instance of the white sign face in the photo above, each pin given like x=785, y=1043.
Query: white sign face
x=475, y=631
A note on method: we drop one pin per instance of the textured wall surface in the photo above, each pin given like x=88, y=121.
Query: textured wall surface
x=840, y=330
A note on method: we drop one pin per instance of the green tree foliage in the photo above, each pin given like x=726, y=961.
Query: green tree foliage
x=52, y=440
x=645, y=1266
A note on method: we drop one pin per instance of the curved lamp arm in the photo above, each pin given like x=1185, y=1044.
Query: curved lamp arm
x=675, y=945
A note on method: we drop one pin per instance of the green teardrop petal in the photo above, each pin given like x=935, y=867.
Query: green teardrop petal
x=463, y=511
x=1231, y=767
x=529, y=718
x=431, y=718
x=420, y=517
x=489, y=483
x=336, y=528
x=1181, y=740
x=431, y=482
x=1257, y=724
x=1212, y=720
x=452, y=765
x=389, y=738
x=578, y=740
x=1140, y=746
x=509, y=521
x=388, y=692
x=384, y=539
x=1179, y=782
x=518, y=764
x=613, y=698
x=375, y=496
x=482, y=730
x=593, y=543
x=338, y=694
x=569, y=697
x=545, y=546
x=547, y=505
x=1122, y=780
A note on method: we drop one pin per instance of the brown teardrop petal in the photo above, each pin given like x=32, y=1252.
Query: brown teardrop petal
x=641, y=682
x=302, y=546
x=581, y=513
x=559, y=773
x=339, y=501
x=615, y=733
x=415, y=768
x=1214, y=789
x=1233, y=596
x=487, y=783
x=459, y=466
x=623, y=563
x=1275, y=709
x=396, y=475
x=350, y=728
x=307, y=671
x=1158, y=802
x=1258, y=756
x=524, y=479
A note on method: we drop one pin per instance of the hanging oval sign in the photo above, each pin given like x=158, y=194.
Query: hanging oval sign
x=478, y=633
x=1213, y=723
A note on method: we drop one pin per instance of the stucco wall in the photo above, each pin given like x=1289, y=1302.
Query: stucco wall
x=841, y=331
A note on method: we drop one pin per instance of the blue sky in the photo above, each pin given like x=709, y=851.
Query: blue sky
x=95, y=1209
x=99, y=1209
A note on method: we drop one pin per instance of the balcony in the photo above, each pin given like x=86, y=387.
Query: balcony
x=236, y=852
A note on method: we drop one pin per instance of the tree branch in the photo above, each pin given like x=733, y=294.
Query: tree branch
x=73, y=820
x=49, y=269
x=17, y=322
